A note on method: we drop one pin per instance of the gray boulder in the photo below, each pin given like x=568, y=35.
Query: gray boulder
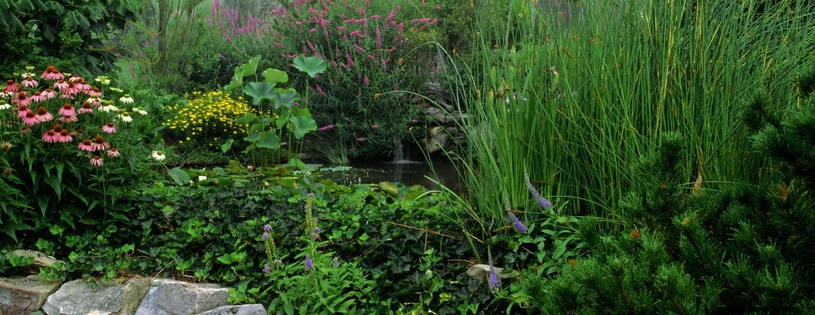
x=171, y=297
x=248, y=309
x=78, y=298
x=24, y=295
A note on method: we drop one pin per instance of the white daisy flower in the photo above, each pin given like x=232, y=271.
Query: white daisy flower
x=158, y=155
x=126, y=99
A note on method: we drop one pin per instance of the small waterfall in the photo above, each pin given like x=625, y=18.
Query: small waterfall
x=399, y=148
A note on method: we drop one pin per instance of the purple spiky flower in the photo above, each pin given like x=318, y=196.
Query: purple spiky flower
x=542, y=202
x=309, y=263
x=516, y=223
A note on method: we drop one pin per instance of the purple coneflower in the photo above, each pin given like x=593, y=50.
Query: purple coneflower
x=67, y=110
x=30, y=83
x=38, y=97
x=86, y=108
x=109, y=128
x=49, y=136
x=100, y=144
x=11, y=86
x=49, y=93
x=43, y=115
x=30, y=118
x=51, y=73
x=68, y=119
x=61, y=85
x=96, y=160
x=113, y=152
x=64, y=136
x=86, y=145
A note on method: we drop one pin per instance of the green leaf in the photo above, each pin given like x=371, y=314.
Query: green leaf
x=253, y=137
x=275, y=76
x=269, y=142
x=260, y=91
x=245, y=119
x=310, y=65
x=226, y=146
x=179, y=176
x=251, y=67
x=285, y=97
x=297, y=163
x=302, y=121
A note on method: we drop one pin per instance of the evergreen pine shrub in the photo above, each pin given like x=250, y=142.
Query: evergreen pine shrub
x=684, y=249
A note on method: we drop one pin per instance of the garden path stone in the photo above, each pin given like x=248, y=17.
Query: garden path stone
x=78, y=298
x=171, y=297
x=24, y=295
x=248, y=309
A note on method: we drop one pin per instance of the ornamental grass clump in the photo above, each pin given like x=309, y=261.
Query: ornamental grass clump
x=207, y=118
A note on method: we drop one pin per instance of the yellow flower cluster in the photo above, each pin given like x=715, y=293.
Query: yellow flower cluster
x=207, y=115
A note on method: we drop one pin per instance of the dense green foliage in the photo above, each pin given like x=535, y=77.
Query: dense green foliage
x=79, y=33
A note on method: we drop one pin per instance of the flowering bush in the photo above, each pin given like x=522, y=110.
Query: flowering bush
x=69, y=143
x=207, y=118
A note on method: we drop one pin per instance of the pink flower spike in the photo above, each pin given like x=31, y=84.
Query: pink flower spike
x=374, y=126
x=326, y=128
x=96, y=161
x=366, y=81
x=360, y=139
x=109, y=128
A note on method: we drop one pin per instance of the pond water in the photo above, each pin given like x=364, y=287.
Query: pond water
x=406, y=172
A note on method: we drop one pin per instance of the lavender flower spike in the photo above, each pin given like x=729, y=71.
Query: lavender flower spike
x=495, y=285
x=519, y=226
x=309, y=263
x=542, y=202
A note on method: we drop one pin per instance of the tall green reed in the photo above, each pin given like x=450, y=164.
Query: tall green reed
x=573, y=92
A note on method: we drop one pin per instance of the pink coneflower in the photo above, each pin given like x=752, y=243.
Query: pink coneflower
x=87, y=108
x=49, y=93
x=100, y=144
x=43, y=115
x=96, y=161
x=71, y=89
x=30, y=83
x=25, y=130
x=11, y=86
x=82, y=85
x=49, y=136
x=360, y=139
x=86, y=145
x=74, y=78
x=51, y=73
x=30, y=118
x=38, y=97
x=22, y=110
x=68, y=119
x=22, y=99
x=67, y=110
x=113, y=152
x=61, y=85
x=109, y=128
x=93, y=92
x=64, y=136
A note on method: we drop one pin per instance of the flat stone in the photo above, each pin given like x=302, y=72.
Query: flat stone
x=171, y=297
x=24, y=295
x=40, y=260
x=248, y=309
x=78, y=298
